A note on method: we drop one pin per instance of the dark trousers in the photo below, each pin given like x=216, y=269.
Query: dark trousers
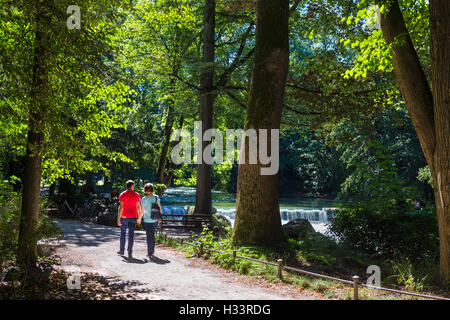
x=150, y=229
x=130, y=224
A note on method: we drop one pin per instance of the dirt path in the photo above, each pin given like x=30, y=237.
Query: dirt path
x=92, y=248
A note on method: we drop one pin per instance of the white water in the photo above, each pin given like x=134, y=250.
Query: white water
x=176, y=200
x=317, y=217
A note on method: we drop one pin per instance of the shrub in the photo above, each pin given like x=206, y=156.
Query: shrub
x=10, y=211
x=387, y=232
x=412, y=276
x=10, y=204
x=220, y=225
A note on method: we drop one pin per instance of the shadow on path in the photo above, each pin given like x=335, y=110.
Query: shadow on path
x=134, y=260
x=158, y=260
x=91, y=235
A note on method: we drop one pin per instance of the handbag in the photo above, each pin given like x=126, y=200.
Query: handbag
x=156, y=212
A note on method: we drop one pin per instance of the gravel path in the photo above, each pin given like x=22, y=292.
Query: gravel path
x=172, y=276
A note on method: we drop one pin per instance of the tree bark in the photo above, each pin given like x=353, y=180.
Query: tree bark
x=429, y=110
x=168, y=175
x=27, y=242
x=257, y=207
x=51, y=192
x=203, y=197
x=161, y=176
x=440, y=75
x=410, y=76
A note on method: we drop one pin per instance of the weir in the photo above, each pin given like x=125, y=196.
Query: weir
x=317, y=217
x=177, y=200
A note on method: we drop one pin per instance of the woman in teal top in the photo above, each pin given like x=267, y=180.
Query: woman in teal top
x=149, y=224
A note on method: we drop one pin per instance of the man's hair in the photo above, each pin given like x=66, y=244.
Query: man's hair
x=149, y=187
x=130, y=183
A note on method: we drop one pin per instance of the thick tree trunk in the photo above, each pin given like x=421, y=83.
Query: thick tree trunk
x=27, y=245
x=429, y=111
x=257, y=208
x=440, y=74
x=27, y=242
x=203, y=198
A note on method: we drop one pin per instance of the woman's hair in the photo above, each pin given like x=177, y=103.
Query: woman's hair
x=148, y=187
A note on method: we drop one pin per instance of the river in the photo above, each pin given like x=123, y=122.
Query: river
x=317, y=211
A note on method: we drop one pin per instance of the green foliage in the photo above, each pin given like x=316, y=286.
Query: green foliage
x=411, y=276
x=316, y=248
x=424, y=175
x=381, y=155
x=85, y=98
x=308, y=165
x=220, y=225
x=377, y=181
x=10, y=204
x=160, y=186
x=388, y=231
x=10, y=209
x=372, y=54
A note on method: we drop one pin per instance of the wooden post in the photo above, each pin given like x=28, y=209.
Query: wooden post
x=234, y=254
x=280, y=269
x=201, y=248
x=165, y=236
x=355, y=287
x=181, y=241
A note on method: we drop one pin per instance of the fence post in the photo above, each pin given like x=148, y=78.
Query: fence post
x=355, y=287
x=181, y=241
x=165, y=236
x=280, y=270
x=234, y=254
x=201, y=248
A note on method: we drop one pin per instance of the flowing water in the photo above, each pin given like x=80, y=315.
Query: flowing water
x=317, y=211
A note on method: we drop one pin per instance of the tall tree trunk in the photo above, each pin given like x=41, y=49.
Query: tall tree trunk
x=51, y=191
x=440, y=75
x=168, y=175
x=257, y=207
x=27, y=242
x=203, y=198
x=429, y=111
x=161, y=176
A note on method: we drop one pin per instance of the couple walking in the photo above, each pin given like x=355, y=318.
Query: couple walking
x=132, y=210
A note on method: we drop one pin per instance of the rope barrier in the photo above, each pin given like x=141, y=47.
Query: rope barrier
x=354, y=282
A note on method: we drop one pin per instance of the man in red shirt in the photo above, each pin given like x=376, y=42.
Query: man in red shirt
x=130, y=206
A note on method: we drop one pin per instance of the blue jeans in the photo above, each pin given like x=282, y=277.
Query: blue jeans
x=150, y=229
x=130, y=224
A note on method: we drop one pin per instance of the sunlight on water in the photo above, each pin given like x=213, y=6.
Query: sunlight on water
x=317, y=211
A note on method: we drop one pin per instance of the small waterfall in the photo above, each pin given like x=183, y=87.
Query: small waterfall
x=317, y=217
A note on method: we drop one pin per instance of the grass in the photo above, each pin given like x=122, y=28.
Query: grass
x=298, y=254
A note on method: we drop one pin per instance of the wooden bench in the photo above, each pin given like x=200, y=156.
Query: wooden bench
x=51, y=211
x=189, y=222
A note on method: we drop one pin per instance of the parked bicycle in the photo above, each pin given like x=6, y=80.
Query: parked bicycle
x=89, y=209
x=67, y=212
